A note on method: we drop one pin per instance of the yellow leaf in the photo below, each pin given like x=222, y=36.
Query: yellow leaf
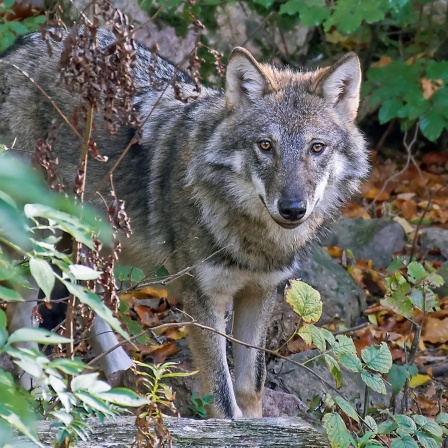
x=419, y=380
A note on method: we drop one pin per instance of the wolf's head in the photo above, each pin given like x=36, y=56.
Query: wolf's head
x=293, y=136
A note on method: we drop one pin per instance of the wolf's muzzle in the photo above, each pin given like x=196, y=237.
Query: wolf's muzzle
x=292, y=210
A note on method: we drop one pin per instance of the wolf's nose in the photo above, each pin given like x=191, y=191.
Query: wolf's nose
x=291, y=210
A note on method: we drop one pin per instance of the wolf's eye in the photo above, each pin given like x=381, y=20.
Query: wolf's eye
x=265, y=145
x=317, y=147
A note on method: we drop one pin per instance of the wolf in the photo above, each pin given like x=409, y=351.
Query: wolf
x=234, y=184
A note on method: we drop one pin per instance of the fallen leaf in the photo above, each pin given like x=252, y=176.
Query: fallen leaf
x=435, y=330
x=419, y=380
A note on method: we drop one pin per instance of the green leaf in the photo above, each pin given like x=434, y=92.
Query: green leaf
x=344, y=344
x=94, y=403
x=39, y=335
x=9, y=295
x=396, y=263
x=124, y=397
x=350, y=362
x=387, y=427
x=432, y=124
x=377, y=358
x=371, y=424
x=435, y=280
x=97, y=305
x=334, y=368
x=128, y=273
x=375, y=382
x=304, y=300
x=64, y=221
x=437, y=70
x=389, y=109
x=442, y=418
x=312, y=12
x=3, y=320
x=397, y=377
x=337, y=433
x=428, y=425
x=427, y=441
x=43, y=274
x=416, y=272
x=404, y=442
x=347, y=408
x=405, y=423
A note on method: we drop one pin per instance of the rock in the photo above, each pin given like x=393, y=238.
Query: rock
x=434, y=238
x=281, y=404
x=368, y=239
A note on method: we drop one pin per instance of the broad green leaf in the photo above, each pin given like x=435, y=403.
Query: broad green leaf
x=432, y=124
x=43, y=274
x=328, y=335
x=318, y=338
x=9, y=295
x=396, y=263
x=371, y=424
x=428, y=425
x=334, y=368
x=337, y=433
x=304, y=300
x=3, y=337
x=347, y=408
x=416, y=272
x=417, y=298
x=405, y=423
x=387, y=427
x=128, y=273
x=442, y=418
x=124, y=397
x=69, y=366
x=377, y=358
x=437, y=70
x=96, y=304
x=404, y=442
x=344, y=344
x=427, y=441
x=39, y=335
x=94, y=402
x=312, y=12
x=389, y=109
x=350, y=362
x=375, y=382
x=66, y=222
x=305, y=333
x=435, y=280
x=397, y=376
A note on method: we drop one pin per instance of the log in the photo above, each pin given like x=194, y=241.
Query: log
x=276, y=432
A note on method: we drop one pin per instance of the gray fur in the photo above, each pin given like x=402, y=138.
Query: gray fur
x=202, y=193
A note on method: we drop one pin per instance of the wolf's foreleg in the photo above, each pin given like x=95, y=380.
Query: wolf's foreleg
x=209, y=354
x=252, y=311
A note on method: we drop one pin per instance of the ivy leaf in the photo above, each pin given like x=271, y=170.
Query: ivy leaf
x=377, y=358
x=304, y=300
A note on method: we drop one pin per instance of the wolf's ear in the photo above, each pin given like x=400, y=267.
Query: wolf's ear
x=245, y=79
x=340, y=85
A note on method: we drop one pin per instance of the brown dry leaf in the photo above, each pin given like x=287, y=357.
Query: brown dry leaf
x=408, y=208
x=297, y=345
x=382, y=62
x=147, y=316
x=164, y=351
x=375, y=193
x=435, y=330
x=426, y=405
x=335, y=251
x=430, y=86
x=176, y=333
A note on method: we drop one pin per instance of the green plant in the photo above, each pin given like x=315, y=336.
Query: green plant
x=373, y=363
x=11, y=29
x=198, y=404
